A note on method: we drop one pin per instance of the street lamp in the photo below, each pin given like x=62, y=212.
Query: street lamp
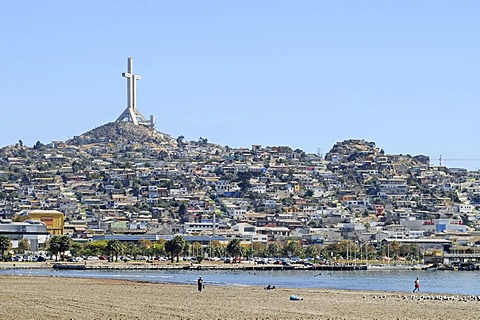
x=347, y=251
x=251, y=247
x=355, y=252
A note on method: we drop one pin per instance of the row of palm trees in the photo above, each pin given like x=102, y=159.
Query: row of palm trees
x=58, y=246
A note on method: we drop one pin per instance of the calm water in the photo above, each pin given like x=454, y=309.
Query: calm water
x=452, y=282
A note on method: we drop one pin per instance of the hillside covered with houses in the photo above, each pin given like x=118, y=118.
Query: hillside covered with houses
x=126, y=182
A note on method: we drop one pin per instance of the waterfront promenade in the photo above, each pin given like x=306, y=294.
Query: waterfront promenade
x=240, y=267
x=141, y=265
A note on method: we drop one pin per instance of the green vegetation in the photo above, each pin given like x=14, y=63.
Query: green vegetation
x=58, y=245
x=175, y=246
x=5, y=244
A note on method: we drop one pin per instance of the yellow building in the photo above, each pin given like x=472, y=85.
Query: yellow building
x=52, y=218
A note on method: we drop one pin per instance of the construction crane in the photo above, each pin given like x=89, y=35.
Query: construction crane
x=440, y=159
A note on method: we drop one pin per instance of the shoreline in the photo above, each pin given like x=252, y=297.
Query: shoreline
x=295, y=279
x=36, y=297
x=203, y=266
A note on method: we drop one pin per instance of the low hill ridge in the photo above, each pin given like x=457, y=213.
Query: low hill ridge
x=124, y=133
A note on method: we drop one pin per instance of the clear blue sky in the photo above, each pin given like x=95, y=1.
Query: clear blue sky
x=404, y=74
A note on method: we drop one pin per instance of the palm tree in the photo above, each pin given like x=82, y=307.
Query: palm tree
x=291, y=249
x=114, y=248
x=273, y=250
x=175, y=246
x=311, y=251
x=169, y=249
x=5, y=243
x=235, y=249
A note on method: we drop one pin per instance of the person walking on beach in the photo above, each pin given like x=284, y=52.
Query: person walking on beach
x=417, y=285
x=200, y=284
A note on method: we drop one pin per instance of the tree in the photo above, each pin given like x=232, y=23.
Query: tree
x=76, y=249
x=332, y=250
x=244, y=181
x=234, y=248
x=39, y=146
x=311, y=251
x=215, y=249
x=175, y=246
x=394, y=249
x=259, y=249
x=95, y=248
x=114, y=248
x=53, y=247
x=23, y=245
x=59, y=245
x=202, y=141
x=291, y=249
x=169, y=249
x=65, y=245
x=369, y=251
x=273, y=250
x=409, y=251
x=132, y=250
x=308, y=194
x=475, y=198
x=5, y=244
x=144, y=246
x=180, y=141
x=197, y=251
x=159, y=248
x=182, y=210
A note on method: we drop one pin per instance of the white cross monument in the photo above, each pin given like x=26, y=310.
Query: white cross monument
x=131, y=113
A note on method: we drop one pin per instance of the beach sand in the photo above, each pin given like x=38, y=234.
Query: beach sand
x=74, y=298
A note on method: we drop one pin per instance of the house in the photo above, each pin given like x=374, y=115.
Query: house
x=53, y=219
x=32, y=230
x=274, y=233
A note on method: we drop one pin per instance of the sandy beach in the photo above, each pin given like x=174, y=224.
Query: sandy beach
x=74, y=298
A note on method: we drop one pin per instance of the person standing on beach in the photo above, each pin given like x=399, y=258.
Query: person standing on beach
x=200, y=284
x=417, y=285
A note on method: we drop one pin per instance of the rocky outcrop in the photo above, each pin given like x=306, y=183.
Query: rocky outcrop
x=122, y=133
x=350, y=150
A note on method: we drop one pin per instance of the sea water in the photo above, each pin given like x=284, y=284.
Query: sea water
x=449, y=282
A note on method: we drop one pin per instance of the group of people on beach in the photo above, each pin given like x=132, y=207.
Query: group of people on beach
x=201, y=286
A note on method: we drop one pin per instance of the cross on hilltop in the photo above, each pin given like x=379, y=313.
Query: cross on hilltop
x=131, y=113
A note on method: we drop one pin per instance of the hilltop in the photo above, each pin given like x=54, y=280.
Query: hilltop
x=122, y=133
x=359, y=149
x=352, y=149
